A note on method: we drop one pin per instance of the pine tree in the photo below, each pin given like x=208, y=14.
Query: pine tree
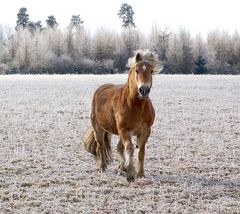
x=38, y=25
x=126, y=13
x=76, y=21
x=34, y=26
x=74, y=37
x=51, y=21
x=22, y=18
x=200, y=65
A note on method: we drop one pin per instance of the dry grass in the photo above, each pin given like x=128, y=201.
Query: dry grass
x=192, y=161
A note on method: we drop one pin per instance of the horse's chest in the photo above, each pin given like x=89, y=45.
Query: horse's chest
x=135, y=121
x=138, y=121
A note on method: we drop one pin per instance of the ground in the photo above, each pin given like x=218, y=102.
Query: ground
x=192, y=158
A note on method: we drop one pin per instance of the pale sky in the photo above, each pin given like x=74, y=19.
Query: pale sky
x=194, y=15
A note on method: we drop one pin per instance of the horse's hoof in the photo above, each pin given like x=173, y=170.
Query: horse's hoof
x=130, y=175
x=140, y=175
x=130, y=178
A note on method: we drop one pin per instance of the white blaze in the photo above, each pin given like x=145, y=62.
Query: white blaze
x=144, y=68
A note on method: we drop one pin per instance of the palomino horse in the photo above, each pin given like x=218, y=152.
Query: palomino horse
x=124, y=110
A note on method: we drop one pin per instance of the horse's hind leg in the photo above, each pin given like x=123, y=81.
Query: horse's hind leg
x=120, y=150
x=99, y=137
x=107, y=147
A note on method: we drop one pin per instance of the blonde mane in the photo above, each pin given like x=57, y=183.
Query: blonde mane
x=148, y=56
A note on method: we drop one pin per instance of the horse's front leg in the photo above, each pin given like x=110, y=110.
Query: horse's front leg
x=129, y=149
x=141, y=142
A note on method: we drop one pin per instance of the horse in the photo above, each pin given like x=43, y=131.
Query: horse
x=124, y=110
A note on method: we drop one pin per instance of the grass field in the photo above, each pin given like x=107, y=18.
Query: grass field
x=192, y=157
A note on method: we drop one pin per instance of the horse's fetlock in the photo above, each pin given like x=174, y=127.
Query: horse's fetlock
x=130, y=151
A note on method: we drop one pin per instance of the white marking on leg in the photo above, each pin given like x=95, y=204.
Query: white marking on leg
x=129, y=159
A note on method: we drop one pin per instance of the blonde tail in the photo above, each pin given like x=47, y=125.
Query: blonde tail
x=90, y=142
x=91, y=145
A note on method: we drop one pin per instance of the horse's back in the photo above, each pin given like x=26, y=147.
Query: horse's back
x=105, y=93
x=107, y=88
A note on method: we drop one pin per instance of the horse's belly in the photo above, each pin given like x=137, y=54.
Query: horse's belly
x=104, y=109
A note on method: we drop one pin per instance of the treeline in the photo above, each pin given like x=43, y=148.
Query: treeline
x=35, y=49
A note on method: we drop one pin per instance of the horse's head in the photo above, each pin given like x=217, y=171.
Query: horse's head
x=145, y=65
x=143, y=76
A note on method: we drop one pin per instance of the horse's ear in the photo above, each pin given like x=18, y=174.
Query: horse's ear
x=138, y=58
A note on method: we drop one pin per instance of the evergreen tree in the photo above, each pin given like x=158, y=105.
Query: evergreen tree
x=22, y=18
x=126, y=13
x=200, y=65
x=33, y=26
x=51, y=21
x=38, y=25
x=76, y=21
x=72, y=38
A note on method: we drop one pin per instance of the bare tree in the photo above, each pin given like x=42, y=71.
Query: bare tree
x=174, y=54
x=160, y=44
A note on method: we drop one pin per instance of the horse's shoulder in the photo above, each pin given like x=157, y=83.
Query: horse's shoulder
x=151, y=112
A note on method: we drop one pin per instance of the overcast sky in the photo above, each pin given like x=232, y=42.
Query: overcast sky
x=194, y=15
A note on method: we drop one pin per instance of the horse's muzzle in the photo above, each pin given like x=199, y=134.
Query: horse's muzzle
x=144, y=91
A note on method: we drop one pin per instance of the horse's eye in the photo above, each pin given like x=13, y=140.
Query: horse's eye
x=137, y=71
x=151, y=71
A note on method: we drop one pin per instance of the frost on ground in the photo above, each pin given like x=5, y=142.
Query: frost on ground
x=192, y=159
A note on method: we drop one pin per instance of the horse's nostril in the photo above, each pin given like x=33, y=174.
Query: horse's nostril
x=141, y=90
x=148, y=90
